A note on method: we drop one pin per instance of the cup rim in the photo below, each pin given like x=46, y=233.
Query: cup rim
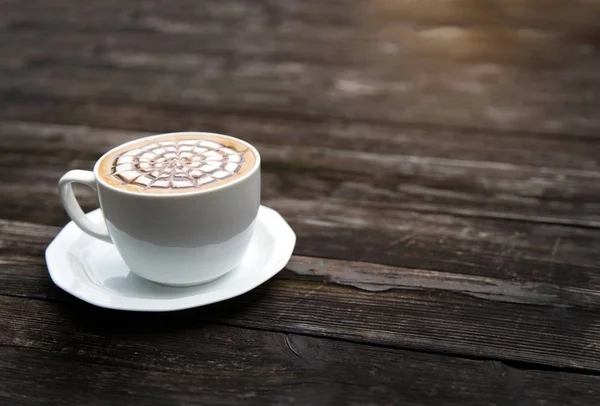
x=254, y=169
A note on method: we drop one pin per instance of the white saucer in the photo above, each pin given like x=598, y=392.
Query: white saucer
x=93, y=271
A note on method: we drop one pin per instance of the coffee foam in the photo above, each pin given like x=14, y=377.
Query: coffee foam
x=176, y=163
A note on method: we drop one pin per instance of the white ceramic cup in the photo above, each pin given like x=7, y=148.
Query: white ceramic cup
x=174, y=239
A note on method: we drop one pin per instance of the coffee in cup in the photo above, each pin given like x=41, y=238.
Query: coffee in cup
x=176, y=164
x=180, y=207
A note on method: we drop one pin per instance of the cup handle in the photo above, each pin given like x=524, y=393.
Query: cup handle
x=72, y=207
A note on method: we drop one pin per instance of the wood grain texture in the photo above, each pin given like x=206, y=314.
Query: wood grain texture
x=504, y=70
x=225, y=365
x=363, y=302
x=524, y=252
x=455, y=174
x=439, y=162
x=331, y=203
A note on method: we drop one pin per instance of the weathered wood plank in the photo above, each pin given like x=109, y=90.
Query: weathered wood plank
x=224, y=365
x=425, y=310
x=182, y=16
x=24, y=244
x=451, y=145
x=388, y=234
x=336, y=228
x=330, y=217
x=378, y=278
x=544, y=106
x=395, y=72
x=550, y=181
x=534, y=14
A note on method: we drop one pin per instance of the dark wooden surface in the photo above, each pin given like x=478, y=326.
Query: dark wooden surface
x=439, y=162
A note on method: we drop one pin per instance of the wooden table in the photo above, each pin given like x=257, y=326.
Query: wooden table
x=438, y=160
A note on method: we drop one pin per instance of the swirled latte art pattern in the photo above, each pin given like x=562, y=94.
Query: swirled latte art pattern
x=177, y=164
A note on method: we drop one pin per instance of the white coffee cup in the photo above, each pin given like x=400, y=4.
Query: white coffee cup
x=174, y=239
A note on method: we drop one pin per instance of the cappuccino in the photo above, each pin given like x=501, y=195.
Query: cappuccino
x=176, y=163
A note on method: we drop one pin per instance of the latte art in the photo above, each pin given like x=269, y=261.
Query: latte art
x=175, y=164
x=182, y=164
